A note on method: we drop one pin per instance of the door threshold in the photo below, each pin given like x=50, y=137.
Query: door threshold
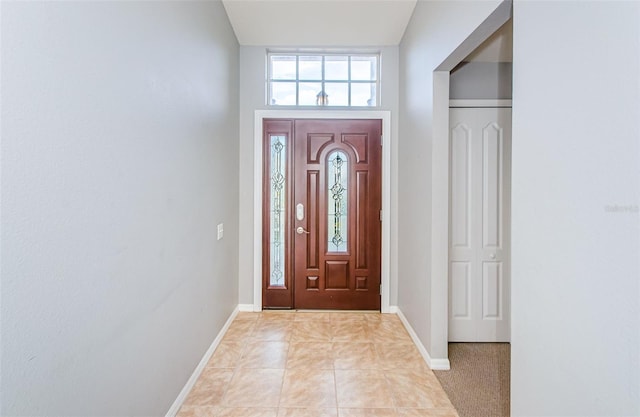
x=320, y=311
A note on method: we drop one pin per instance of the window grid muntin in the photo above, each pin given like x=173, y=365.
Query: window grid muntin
x=375, y=81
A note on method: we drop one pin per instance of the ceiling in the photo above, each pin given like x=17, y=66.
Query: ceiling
x=319, y=23
x=340, y=24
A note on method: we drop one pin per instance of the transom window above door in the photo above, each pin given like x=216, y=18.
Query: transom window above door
x=335, y=80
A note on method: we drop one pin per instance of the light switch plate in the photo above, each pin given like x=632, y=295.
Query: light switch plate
x=220, y=231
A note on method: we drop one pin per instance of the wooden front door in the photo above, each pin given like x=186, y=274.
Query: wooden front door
x=323, y=236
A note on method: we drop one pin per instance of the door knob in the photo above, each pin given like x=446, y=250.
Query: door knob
x=492, y=256
x=300, y=230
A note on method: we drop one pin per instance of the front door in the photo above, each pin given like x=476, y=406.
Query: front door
x=322, y=214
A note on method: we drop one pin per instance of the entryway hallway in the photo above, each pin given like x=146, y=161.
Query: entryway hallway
x=317, y=364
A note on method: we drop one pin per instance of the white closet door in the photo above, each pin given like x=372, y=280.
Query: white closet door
x=479, y=281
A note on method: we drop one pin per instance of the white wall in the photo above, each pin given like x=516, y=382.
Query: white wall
x=576, y=222
x=119, y=147
x=435, y=31
x=481, y=80
x=252, y=97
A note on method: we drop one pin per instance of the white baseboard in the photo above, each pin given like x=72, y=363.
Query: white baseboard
x=175, y=407
x=393, y=310
x=246, y=308
x=435, y=364
x=440, y=364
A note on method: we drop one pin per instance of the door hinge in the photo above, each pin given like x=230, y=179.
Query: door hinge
x=381, y=139
x=380, y=215
x=380, y=289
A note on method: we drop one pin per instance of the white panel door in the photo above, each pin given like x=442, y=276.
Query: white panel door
x=479, y=234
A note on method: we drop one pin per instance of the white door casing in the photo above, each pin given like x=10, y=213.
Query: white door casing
x=479, y=243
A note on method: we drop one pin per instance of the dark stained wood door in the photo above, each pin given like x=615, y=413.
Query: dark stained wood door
x=321, y=217
x=336, y=229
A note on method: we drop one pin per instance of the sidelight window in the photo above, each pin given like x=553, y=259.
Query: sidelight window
x=337, y=80
x=278, y=163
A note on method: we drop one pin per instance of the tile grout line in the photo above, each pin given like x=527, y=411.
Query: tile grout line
x=335, y=386
x=236, y=368
x=284, y=374
x=386, y=380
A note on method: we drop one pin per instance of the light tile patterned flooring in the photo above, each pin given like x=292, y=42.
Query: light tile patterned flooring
x=309, y=364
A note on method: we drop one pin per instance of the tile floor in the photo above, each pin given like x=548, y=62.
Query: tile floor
x=308, y=364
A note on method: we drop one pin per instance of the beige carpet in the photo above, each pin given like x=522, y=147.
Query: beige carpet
x=478, y=382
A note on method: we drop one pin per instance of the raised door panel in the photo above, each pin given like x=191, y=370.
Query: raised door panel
x=492, y=193
x=461, y=187
x=492, y=291
x=461, y=306
x=337, y=275
x=362, y=219
x=315, y=143
x=312, y=210
x=360, y=145
x=494, y=324
x=460, y=284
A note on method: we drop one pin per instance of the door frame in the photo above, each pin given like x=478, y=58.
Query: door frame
x=259, y=116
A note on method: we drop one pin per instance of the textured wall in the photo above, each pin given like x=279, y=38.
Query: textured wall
x=119, y=157
x=575, y=346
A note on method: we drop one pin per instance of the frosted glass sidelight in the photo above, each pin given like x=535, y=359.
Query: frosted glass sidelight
x=337, y=180
x=277, y=210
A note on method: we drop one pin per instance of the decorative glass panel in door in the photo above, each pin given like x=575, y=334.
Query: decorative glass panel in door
x=337, y=201
x=277, y=162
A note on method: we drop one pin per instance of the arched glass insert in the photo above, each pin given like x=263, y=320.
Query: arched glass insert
x=277, y=209
x=338, y=182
